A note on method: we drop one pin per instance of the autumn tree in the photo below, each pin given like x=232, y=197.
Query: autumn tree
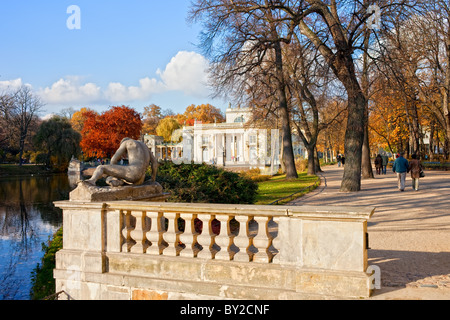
x=102, y=134
x=335, y=28
x=337, y=33
x=205, y=113
x=387, y=118
x=427, y=35
x=312, y=105
x=413, y=61
x=239, y=37
x=79, y=117
x=166, y=127
x=151, y=117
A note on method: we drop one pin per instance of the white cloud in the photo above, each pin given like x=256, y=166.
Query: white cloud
x=186, y=72
x=11, y=85
x=117, y=92
x=70, y=90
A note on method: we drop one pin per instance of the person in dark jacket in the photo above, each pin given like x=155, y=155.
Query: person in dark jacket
x=400, y=167
x=385, y=162
x=378, y=163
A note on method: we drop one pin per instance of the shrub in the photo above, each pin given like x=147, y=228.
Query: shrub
x=255, y=175
x=205, y=184
x=301, y=164
x=43, y=283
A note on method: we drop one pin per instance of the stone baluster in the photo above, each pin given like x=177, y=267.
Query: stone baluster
x=188, y=237
x=205, y=239
x=155, y=233
x=261, y=241
x=172, y=235
x=272, y=233
x=127, y=227
x=242, y=240
x=223, y=238
x=233, y=227
x=138, y=233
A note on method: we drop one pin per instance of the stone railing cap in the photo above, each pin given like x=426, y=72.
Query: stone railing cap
x=332, y=212
x=201, y=208
x=305, y=212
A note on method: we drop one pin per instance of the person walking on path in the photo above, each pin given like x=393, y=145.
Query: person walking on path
x=385, y=162
x=401, y=168
x=415, y=167
x=339, y=159
x=378, y=163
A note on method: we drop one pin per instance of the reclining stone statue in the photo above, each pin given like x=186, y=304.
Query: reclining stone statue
x=139, y=158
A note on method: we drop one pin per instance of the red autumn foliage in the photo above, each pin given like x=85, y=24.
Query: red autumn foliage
x=101, y=134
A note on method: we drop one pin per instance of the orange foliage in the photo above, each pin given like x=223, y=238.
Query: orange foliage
x=205, y=113
x=101, y=134
x=78, y=118
x=152, y=116
x=387, y=120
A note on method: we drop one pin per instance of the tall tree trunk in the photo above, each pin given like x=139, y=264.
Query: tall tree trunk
x=288, y=152
x=354, y=137
x=342, y=64
x=366, y=165
x=311, y=159
x=317, y=161
x=431, y=144
x=446, y=90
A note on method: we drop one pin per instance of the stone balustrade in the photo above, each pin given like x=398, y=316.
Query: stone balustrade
x=168, y=230
x=156, y=250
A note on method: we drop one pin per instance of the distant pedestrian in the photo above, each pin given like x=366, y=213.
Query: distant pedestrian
x=415, y=167
x=401, y=168
x=378, y=163
x=339, y=159
x=385, y=162
x=343, y=160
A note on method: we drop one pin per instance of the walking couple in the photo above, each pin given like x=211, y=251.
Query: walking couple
x=402, y=166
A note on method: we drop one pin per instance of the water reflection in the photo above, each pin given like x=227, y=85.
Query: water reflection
x=27, y=218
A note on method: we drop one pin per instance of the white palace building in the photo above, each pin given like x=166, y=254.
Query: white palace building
x=229, y=144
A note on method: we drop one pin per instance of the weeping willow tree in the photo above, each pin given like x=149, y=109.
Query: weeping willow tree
x=59, y=141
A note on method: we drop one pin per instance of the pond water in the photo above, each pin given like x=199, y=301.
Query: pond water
x=28, y=218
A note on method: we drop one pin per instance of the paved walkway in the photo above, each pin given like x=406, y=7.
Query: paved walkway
x=409, y=234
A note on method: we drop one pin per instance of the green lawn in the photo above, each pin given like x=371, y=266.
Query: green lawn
x=278, y=187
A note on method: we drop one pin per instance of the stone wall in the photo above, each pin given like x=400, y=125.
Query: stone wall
x=149, y=250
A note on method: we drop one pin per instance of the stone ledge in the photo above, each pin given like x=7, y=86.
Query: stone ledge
x=316, y=287
x=273, y=279
x=151, y=191
x=189, y=278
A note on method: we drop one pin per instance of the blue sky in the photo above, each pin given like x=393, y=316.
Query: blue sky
x=133, y=52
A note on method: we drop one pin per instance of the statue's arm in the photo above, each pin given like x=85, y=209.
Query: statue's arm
x=119, y=153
